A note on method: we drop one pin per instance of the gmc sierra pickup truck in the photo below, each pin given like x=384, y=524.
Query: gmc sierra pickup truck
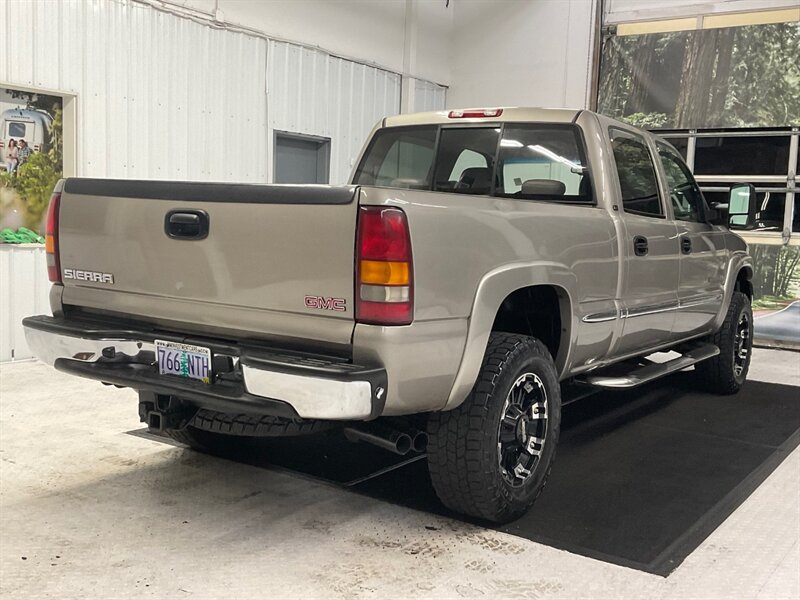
x=481, y=264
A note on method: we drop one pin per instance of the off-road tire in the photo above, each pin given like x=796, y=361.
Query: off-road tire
x=463, y=452
x=717, y=375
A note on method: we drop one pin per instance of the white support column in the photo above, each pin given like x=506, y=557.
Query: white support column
x=408, y=87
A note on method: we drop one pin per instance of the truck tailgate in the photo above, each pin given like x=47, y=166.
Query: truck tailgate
x=277, y=260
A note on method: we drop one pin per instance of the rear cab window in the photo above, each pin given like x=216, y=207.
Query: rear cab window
x=516, y=160
x=540, y=162
x=399, y=158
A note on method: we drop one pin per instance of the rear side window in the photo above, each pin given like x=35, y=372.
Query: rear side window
x=637, y=174
x=399, y=158
x=543, y=163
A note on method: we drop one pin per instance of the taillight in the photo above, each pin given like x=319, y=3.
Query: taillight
x=51, y=239
x=475, y=113
x=384, y=269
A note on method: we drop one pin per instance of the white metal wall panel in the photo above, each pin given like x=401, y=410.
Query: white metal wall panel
x=429, y=96
x=159, y=97
x=313, y=93
x=24, y=292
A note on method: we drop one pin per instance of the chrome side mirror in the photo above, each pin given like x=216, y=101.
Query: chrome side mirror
x=742, y=206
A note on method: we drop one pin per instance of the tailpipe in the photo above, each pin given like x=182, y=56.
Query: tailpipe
x=383, y=437
x=419, y=440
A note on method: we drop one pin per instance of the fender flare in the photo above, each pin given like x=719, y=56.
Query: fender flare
x=493, y=288
x=737, y=262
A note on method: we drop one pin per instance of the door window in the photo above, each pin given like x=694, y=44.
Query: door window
x=637, y=174
x=685, y=196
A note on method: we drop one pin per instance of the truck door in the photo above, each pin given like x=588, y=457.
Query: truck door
x=703, y=253
x=650, y=251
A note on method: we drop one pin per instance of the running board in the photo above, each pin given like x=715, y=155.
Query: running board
x=644, y=374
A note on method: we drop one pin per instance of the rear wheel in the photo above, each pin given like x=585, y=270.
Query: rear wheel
x=726, y=372
x=491, y=456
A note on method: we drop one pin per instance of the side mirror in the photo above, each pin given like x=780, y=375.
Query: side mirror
x=742, y=206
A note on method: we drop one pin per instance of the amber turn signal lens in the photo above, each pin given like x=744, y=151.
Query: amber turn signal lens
x=379, y=272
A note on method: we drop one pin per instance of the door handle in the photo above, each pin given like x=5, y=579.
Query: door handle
x=686, y=246
x=640, y=246
x=186, y=224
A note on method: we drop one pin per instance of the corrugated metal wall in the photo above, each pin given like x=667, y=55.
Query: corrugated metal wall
x=428, y=96
x=165, y=97
x=158, y=96
x=313, y=93
x=23, y=292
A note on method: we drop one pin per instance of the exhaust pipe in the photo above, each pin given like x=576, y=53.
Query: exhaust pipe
x=419, y=440
x=383, y=437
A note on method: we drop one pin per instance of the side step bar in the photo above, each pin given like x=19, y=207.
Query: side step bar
x=649, y=372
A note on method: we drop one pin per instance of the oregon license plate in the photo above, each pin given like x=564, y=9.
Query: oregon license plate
x=184, y=360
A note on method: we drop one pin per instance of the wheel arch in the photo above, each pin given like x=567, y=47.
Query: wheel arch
x=499, y=297
x=739, y=277
x=744, y=281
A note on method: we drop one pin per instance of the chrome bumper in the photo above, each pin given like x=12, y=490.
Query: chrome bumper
x=257, y=380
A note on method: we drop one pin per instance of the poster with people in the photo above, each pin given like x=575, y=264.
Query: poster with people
x=30, y=161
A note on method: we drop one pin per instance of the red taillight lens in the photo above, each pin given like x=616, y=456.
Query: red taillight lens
x=51, y=239
x=384, y=270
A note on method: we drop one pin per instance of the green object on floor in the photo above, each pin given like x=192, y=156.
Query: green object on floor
x=23, y=235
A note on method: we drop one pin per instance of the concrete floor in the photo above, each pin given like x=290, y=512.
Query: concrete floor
x=88, y=511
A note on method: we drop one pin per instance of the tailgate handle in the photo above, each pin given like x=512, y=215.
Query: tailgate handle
x=186, y=224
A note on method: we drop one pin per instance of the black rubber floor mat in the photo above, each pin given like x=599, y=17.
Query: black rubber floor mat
x=640, y=478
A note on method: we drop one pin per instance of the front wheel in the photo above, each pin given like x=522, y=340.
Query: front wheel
x=726, y=372
x=491, y=456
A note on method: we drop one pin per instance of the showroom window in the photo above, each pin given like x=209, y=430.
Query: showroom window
x=750, y=155
x=767, y=158
x=637, y=174
x=543, y=163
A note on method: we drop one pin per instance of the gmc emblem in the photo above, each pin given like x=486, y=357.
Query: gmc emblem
x=323, y=303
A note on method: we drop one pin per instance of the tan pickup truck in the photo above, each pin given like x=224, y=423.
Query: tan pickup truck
x=481, y=264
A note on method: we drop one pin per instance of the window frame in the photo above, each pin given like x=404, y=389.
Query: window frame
x=666, y=211
x=439, y=127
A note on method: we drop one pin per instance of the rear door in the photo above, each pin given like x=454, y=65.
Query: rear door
x=651, y=258
x=703, y=252
x=275, y=261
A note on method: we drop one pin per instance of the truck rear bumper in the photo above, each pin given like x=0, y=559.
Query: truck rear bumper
x=253, y=380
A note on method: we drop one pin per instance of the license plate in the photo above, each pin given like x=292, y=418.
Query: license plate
x=184, y=360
